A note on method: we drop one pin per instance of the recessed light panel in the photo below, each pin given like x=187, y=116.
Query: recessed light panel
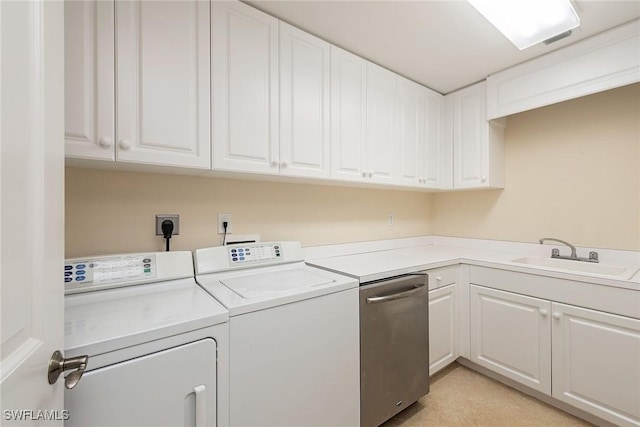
x=529, y=22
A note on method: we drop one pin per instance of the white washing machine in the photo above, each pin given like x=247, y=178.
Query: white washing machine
x=293, y=334
x=157, y=343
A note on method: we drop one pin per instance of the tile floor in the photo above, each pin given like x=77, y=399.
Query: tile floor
x=460, y=397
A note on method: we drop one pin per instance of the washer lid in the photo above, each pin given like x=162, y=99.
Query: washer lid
x=274, y=283
x=260, y=288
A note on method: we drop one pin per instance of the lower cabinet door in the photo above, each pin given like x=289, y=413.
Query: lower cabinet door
x=596, y=363
x=174, y=387
x=511, y=335
x=442, y=328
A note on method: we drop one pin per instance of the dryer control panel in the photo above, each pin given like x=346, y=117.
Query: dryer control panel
x=81, y=274
x=112, y=271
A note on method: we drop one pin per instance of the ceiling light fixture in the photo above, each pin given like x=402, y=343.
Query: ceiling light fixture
x=529, y=22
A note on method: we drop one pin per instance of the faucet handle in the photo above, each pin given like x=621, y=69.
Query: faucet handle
x=555, y=253
x=593, y=256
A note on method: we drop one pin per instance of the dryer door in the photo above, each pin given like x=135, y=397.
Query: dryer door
x=173, y=387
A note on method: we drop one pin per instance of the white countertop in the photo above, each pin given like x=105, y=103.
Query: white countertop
x=373, y=262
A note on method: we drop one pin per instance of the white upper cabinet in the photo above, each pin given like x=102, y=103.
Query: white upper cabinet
x=438, y=150
x=478, y=144
x=363, y=120
x=348, y=115
x=304, y=104
x=424, y=155
x=602, y=62
x=411, y=133
x=381, y=151
x=162, y=83
x=89, y=79
x=245, y=89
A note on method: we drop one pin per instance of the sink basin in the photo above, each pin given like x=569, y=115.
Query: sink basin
x=579, y=267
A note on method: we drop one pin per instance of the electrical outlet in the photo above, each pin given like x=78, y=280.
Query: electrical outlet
x=390, y=219
x=224, y=217
x=170, y=217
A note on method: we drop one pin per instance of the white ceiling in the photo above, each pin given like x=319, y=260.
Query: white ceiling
x=443, y=44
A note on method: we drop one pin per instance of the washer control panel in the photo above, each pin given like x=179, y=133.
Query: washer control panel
x=254, y=253
x=93, y=272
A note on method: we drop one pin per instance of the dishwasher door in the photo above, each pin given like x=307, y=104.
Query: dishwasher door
x=394, y=346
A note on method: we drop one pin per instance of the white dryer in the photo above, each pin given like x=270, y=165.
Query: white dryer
x=157, y=343
x=293, y=334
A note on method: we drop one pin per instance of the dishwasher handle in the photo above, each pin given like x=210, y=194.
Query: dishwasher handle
x=399, y=295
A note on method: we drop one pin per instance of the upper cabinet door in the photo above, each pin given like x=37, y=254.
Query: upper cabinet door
x=245, y=89
x=478, y=145
x=163, y=83
x=470, y=151
x=381, y=151
x=348, y=115
x=89, y=79
x=411, y=132
x=438, y=151
x=304, y=104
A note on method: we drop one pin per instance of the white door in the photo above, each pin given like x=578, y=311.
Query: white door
x=32, y=215
x=163, y=83
x=382, y=152
x=470, y=145
x=411, y=127
x=244, y=45
x=173, y=387
x=437, y=150
x=89, y=79
x=304, y=104
x=511, y=335
x=348, y=115
x=443, y=327
x=596, y=363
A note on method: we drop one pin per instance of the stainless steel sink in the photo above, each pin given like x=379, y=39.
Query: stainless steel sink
x=615, y=271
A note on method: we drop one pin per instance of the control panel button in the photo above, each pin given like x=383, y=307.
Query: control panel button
x=68, y=267
x=80, y=266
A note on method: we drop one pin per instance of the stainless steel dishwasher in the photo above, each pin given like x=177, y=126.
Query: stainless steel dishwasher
x=394, y=346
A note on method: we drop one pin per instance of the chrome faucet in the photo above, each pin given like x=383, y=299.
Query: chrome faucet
x=555, y=253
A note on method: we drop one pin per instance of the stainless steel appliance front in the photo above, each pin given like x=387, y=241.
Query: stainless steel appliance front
x=394, y=346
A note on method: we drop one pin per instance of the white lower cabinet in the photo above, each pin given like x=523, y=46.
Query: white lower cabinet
x=596, y=363
x=511, y=335
x=443, y=317
x=586, y=358
x=442, y=328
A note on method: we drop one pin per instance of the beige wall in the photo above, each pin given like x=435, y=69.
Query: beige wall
x=572, y=171
x=114, y=212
